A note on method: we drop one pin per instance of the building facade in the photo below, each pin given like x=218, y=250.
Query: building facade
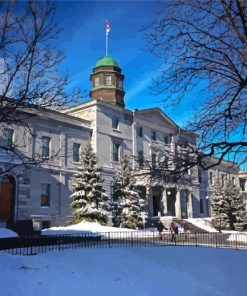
x=243, y=186
x=41, y=192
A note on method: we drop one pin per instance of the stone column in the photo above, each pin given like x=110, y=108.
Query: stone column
x=178, y=205
x=190, y=206
x=149, y=201
x=164, y=201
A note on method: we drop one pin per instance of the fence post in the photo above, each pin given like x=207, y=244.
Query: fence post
x=131, y=239
x=109, y=239
x=236, y=241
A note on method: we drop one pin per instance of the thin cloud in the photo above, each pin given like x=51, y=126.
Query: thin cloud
x=143, y=84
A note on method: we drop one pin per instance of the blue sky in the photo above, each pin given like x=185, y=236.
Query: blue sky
x=83, y=40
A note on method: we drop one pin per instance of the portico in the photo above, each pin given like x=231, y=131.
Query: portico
x=169, y=201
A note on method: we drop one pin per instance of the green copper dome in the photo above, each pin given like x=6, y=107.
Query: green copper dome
x=106, y=61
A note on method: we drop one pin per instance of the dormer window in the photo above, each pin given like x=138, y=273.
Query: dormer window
x=108, y=80
x=96, y=81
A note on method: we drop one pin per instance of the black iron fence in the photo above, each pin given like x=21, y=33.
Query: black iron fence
x=31, y=245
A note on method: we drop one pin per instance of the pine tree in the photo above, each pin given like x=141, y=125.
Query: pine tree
x=128, y=207
x=228, y=207
x=219, y=206
x=237, y=212
x=89, y=202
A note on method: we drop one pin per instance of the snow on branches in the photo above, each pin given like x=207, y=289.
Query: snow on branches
x=89, y=202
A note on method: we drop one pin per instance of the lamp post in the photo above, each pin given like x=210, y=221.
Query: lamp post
x=207, y=199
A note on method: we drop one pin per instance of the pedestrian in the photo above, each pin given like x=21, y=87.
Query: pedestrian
x=160, y=228
x=173, y=232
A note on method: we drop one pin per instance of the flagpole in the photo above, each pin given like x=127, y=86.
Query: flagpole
x=106, y=45
x=107, y=30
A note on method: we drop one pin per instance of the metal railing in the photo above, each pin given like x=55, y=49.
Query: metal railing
x=31, y=245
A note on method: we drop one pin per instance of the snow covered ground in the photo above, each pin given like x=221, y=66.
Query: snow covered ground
x=4, y=233
x=171, y=271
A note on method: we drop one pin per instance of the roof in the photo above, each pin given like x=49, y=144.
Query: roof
x=106, y=61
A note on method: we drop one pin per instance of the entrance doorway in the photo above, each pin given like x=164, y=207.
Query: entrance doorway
x=184, y=204
x=158, y=209
x=171, y=199
x=7, y=194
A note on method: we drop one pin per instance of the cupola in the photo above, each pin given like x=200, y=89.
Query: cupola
x=107, y=82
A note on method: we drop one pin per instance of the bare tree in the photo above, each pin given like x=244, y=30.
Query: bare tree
x=203, y=44
x=29, y=78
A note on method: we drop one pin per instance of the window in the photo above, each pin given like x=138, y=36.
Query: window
x=167, y=139
x=46, y=147
x=115, y=151
x=153, y=159
x=96, y=81
x=76, y=152
x=184, y=143
x=108, y=80
x=199, y=175
x=166, y=162
x=119, y=83
x=154, y=136
x=45, y=195
x=201, y=206
x=115, y=123
x=9, y=137
x=211, y=178
x=46, y=224
x=140, y=158
x=242, y=184
x=140, y=132
x=233, y=181
x=222, y=179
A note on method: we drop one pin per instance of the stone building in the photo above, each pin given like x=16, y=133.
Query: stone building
x=243, y=186
x=41, y=192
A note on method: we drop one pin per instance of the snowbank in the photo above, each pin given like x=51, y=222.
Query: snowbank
x=4, y=233
x=93, y=228
x=83, y=227
x=238, y=236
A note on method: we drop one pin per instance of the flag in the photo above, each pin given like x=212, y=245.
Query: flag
x=107, y=27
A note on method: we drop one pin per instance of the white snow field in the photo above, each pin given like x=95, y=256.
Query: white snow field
x=171, y=271
x=5, y=233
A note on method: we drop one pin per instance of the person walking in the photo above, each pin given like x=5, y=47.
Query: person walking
x=160, y=228
x=173, y=232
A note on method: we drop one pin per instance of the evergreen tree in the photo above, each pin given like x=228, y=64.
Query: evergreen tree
x=228, y=207
x=127, y=206
x=89, y=202
x=237, y=212
x=219, y=206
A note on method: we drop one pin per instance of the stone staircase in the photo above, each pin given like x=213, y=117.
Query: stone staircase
x=189, y=227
